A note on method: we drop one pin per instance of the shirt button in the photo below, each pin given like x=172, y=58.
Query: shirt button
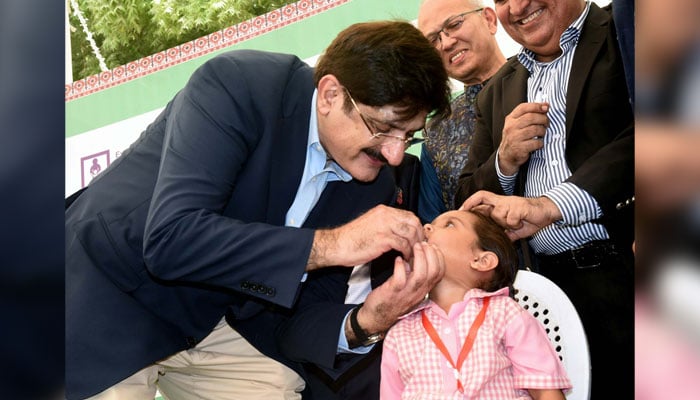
x=557, y=136
x=554, y=162
x=313, y=179
x=291, y=221
x=447, y=331
x=582, y=218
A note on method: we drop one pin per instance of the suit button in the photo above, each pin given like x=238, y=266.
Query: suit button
x=254, y=287
x=262, y=289
x=245, y=285
x=270, y=291
x=190, y=341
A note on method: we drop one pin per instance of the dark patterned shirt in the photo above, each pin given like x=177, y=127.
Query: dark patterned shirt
x=444, y=154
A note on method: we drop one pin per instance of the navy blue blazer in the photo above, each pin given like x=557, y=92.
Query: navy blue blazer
x=188, y=224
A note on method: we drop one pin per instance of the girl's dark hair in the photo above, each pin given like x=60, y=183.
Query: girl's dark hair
x=388, y=63
x=491, y=237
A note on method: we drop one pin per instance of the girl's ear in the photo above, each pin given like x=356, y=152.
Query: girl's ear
x=485, y=261
x=329, y=90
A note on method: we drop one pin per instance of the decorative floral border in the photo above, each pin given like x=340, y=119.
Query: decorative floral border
x=226, y=37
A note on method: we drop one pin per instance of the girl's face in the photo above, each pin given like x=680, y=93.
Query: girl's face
x=453, y=234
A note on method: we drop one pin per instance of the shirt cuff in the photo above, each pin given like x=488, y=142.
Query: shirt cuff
x=507, y=181
x=575, y=204
x=343, y=346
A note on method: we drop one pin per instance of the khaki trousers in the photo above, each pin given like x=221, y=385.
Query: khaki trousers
x=223, y=366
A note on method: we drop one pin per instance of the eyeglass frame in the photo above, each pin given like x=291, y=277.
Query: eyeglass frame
x=407, y=142
x=436, y=40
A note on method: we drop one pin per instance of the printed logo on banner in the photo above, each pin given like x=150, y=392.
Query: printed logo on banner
x=93, y=165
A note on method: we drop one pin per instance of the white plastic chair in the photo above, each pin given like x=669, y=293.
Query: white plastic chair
x=552, y=307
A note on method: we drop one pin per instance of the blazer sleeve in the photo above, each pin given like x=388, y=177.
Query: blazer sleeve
x=310, y=335
x=215, y=123
x=600, y=146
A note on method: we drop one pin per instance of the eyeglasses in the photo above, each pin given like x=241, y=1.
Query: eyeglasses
x=407, y=142
x=449, y=27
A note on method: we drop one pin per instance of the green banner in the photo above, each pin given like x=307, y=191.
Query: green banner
x=305, y=37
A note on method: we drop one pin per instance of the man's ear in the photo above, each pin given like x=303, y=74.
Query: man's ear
x=491, y=19
x=485, y=261
x=329, y=91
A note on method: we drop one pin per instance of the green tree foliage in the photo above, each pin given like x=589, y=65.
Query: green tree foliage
x=126, y=30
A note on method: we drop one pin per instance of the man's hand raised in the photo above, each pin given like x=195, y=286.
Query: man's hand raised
x=365, y=238
x=521, y=217
x=403, y=290
x=523, y=133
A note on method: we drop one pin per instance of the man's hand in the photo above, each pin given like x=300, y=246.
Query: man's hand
x=520, y=216
x=402, y=291
x=523, y=133
x=365, y=238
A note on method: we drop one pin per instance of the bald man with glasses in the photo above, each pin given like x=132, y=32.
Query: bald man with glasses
x=463, y=32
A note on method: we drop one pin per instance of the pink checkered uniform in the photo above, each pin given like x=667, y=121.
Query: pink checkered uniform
x=511, y=352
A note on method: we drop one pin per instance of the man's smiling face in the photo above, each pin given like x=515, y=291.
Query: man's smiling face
x=538, y=24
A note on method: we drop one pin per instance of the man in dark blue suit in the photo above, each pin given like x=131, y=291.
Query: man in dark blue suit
x=263, y=180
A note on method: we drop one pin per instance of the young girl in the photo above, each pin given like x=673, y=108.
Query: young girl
x=469, y=339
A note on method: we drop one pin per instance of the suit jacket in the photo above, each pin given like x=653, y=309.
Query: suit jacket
x=188, y=224
x=305, y=337
x=310, y=335
x=599, y=126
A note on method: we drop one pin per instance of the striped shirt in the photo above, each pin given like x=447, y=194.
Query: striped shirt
x=548, y=169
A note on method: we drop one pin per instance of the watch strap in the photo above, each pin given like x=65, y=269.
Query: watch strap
x=360, y=334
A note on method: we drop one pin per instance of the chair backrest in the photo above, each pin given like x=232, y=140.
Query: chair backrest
x=552, y=307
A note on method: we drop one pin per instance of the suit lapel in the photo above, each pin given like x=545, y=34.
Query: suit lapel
x=288, y=154
x=592, y=38
x=341, y=202
x=513, y=92
x=287, y=165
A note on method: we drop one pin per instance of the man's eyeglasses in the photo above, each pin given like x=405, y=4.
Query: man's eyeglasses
x=450, y=27
x=407, y=142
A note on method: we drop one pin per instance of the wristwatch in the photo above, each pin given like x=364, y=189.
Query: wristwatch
x=362, y=336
